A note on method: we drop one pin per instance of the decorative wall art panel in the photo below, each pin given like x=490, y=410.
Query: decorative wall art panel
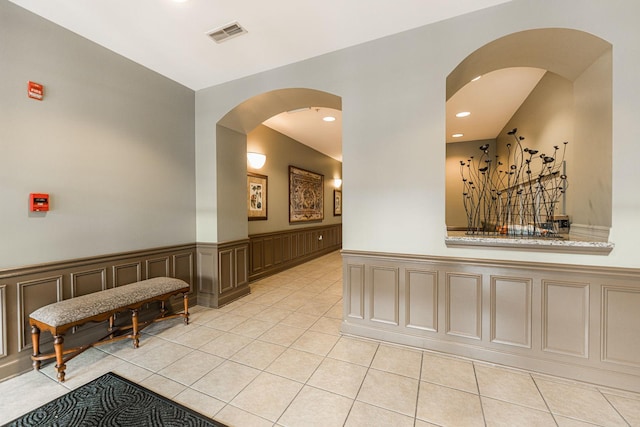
x=306, y=194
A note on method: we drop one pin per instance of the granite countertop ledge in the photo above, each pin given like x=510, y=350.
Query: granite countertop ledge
x=460, y=239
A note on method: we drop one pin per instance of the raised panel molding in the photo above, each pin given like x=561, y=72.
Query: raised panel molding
x=421, y=304
x=3, y=321
x=621, y=325
x=565, y=318
x=226, y=271
x=272, y=252
x=158, y=267
x=123, y=274
x=33, y=294
x=463, y=307
x=207, y=270
x=182, y=264
x=511, y=311
x=242, y=268
x=354, y=290
x=383, y=302
x=87, y=282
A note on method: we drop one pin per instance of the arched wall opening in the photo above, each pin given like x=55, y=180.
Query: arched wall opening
x=572, y=102
x=231, y=149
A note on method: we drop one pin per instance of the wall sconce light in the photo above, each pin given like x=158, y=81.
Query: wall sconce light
x=337, y=182
x=256, y=160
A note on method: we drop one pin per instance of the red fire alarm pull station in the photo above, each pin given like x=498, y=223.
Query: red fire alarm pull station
x=39, y=202
x=35, y=91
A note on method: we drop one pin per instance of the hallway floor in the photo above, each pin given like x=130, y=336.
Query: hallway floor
x=276, y=358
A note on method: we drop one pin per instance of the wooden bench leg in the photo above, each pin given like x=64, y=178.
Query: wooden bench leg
x=58, y=344
x=185, y=300
x=35, y=340
x=134, y=328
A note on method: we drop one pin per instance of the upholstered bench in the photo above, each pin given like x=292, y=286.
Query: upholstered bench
x=59, y=317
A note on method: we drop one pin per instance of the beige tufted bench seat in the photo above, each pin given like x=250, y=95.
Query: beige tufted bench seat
x=59, y=317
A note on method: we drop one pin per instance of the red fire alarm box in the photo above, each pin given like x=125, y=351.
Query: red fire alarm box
x=38, y=202
x=35, y=91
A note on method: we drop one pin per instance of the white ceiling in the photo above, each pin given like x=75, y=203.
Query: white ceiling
x=171, y=37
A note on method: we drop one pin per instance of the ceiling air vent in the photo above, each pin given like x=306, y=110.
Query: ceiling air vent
x=227, y=32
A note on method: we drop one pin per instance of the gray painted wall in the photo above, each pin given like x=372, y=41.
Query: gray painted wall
x=281, y=152
x=393, y=92
x=112, y=143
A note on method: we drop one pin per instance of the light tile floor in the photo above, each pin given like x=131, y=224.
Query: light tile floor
x=276, y=358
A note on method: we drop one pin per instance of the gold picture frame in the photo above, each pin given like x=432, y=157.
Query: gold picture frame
x=306, y=195
x=256, y=197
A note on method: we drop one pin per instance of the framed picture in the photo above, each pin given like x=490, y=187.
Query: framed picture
x=306, y=195
x=256, y=197
x=337, y=202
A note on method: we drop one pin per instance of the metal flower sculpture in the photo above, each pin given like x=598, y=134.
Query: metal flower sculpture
x=518, y=198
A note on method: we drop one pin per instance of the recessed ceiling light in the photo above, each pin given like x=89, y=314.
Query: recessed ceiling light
x=457, y=135
x=329, y=119
x=463, y=114
x=476, y=78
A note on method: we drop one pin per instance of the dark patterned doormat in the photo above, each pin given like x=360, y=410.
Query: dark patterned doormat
x=111, y=400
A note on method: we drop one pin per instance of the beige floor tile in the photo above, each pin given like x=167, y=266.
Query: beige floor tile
x=354, y=350
x=398, y=360
x=161, y=358
x=295, y=364
x=327, y=325
x=449, y=372
x=300, y=320
x=236, y=417
x=197, y=336
x=226, y=381
x=248, y=310
x=509, y=385
x=579, y=402
x=338, y=377
x=316, y=408
x=205, y=316
x=448, y=407
x=252, y=328
x=503, y=414
x=226, y=322
x=420, y=423
x=336, y=310
x=124, y=348
x=226, y=345
x=26, y=392
x=267, y=396
x=363, y=414
x=191, y=367
x=258, y=354
x=627, y=407
x=132, y=372
x=199, y=402
x=315, y=342
x=570, y=422
x=85, y=367
x=272, y=315
x=163, y=386
x=282, y=334
x=389, y=391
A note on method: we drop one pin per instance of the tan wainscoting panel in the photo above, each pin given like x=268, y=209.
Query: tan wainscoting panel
x=621, y=325
x=183, y=267
x=421, y=305
x=565, y=317
x=126, y=273
x=383, y=298
x=87, y=282
x=158, y=267
x=354, y=292
x=574, y=321
x=511, y=311
x=276, y=251
x=463, y=295
x=33, y=294
x=25, y=289
x=3, y=321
